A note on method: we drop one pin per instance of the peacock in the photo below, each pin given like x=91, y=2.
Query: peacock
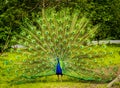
x=58, y=43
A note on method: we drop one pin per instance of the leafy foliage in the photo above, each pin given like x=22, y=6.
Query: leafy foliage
x=101, y=12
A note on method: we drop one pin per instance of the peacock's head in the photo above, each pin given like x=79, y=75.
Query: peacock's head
x=57, y=58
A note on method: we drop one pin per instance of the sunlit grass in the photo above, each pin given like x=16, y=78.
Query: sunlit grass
x=56, y=85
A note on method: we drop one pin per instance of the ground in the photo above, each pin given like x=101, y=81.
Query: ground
x=59, y=85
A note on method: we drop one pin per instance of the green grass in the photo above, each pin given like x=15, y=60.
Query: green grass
x=68, y=82
x=56, y=85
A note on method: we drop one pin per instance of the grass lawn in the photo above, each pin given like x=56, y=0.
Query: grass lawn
x=56, y=85
x=52, y=81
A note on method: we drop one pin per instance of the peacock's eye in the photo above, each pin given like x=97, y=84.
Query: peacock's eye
x=38, y=32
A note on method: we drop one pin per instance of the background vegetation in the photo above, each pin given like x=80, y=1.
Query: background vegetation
x=104, y=12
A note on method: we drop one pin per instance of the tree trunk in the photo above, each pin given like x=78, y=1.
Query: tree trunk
x=117, y=79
